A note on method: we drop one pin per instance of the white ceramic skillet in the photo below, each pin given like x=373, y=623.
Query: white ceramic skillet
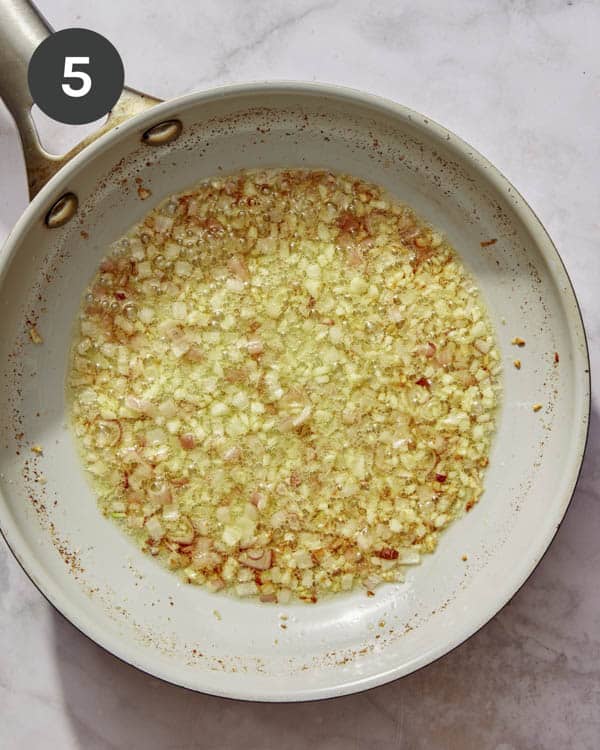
x=90, y=571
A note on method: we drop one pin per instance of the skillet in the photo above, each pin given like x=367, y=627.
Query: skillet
x=86, y=567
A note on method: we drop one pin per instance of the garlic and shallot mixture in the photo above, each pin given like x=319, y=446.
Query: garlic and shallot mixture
x=284, y=385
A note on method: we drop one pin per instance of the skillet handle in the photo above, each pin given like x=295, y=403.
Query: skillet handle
x=22, y=29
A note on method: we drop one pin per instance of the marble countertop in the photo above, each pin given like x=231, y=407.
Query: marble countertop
x=519, y=80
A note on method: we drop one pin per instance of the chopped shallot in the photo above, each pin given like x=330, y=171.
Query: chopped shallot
x=257, y=559
x=284, y=383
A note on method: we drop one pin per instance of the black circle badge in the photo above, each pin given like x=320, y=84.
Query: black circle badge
x=75, y=76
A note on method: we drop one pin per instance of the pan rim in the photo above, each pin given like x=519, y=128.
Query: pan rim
x=501, y=185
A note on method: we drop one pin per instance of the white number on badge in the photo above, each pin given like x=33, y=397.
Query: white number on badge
x=79, y=75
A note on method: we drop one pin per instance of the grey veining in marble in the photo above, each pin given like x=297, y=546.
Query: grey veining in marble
x=519, y=79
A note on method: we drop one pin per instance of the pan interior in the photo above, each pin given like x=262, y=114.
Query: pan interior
x=143, y=613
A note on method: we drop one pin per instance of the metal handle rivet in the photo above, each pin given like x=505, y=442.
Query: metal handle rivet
x=62, y=211
x=164, y=132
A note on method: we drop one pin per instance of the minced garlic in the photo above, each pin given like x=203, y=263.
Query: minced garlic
x=284, y=385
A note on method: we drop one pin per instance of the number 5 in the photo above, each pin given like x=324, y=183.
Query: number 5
x=86, y=81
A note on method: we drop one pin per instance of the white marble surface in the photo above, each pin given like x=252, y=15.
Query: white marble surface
x=518, y=79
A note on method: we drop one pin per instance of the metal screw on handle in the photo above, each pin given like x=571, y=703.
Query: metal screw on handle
x=62, y=211
x=164, y=132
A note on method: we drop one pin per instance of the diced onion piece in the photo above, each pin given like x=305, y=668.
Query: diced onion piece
x=156, y=436
x=206, y=560
x=259, y=559
x=179, y=310
x=108, y=432
x=238, y=267
x=232, y=454
x=155, y=528
x=140, y=405
x=139, y=476
x=278, y=519
x=159, y=492
x=246, y=589
x=171, y=512
x=255, y=346
x=187, y=441
x=215, y=584
x=163, y=223
x=483, y=346
x=167, y=408
x=146, y=315
x=396, y=315
x=235, y=285
x=303, y=416
x=183, y=533
x=371, y=582
x=194, y=354
x=303, y=559
x=259, y=499
x=180, y=347
x=183, y=268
